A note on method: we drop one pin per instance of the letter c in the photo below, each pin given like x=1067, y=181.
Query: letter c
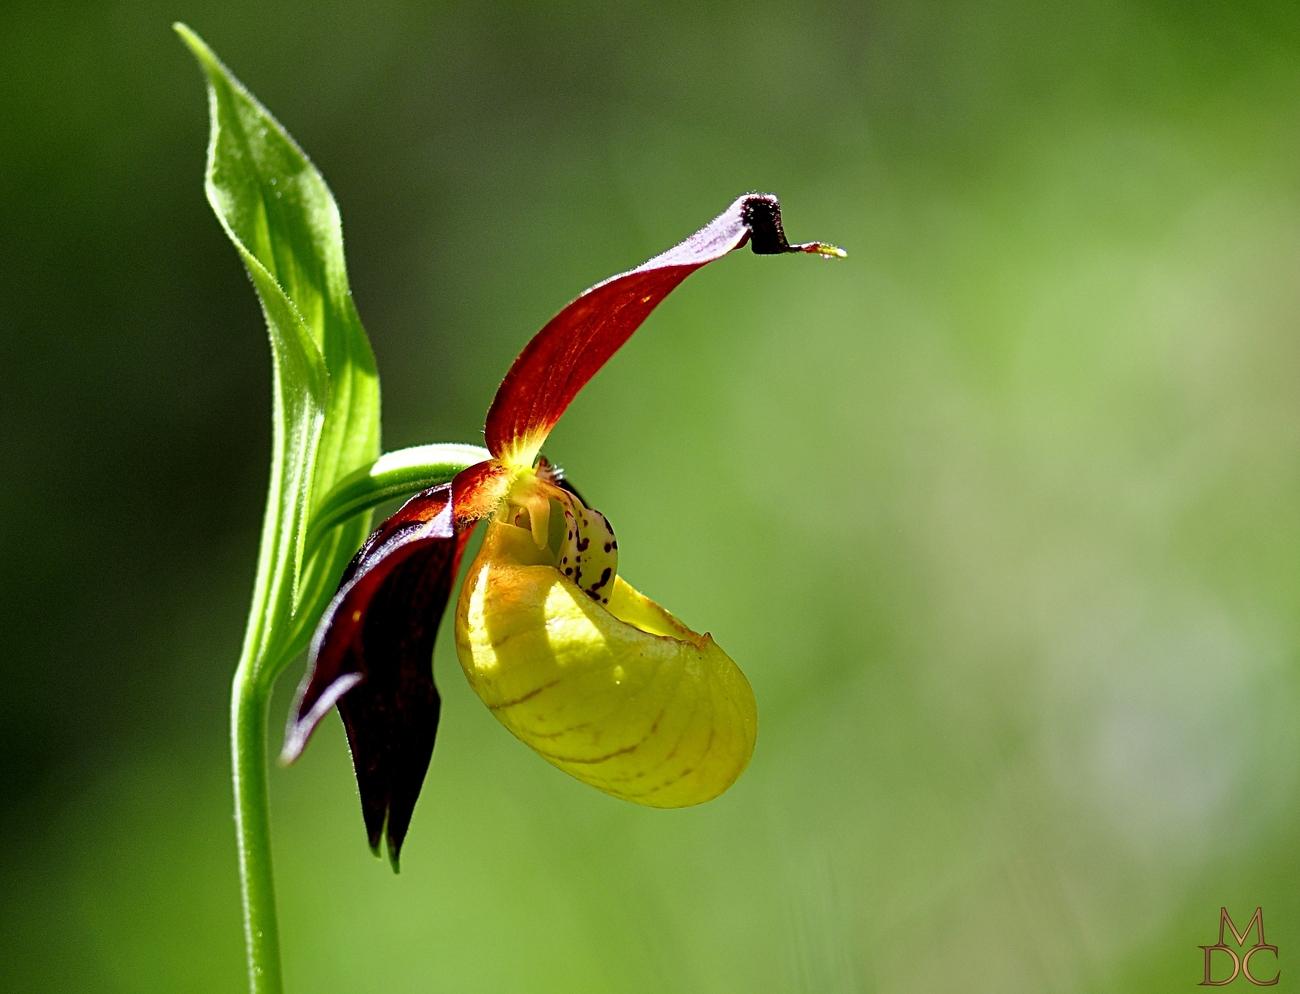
x=1245, y=965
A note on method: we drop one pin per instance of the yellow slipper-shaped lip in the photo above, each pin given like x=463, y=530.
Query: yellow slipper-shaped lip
x=622, y=695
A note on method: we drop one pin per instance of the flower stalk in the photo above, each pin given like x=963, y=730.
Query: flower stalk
x=249, y=705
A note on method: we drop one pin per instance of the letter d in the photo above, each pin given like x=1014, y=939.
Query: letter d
x=1209, y=953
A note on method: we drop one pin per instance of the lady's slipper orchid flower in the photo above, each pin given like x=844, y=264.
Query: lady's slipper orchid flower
x=598, y=679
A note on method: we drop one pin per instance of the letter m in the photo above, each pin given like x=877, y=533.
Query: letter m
x=1257, y=920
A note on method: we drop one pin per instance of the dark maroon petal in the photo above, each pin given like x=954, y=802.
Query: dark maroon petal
x=372, y=655
x=565, y=354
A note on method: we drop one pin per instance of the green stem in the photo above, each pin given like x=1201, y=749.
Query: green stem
x=248, y=718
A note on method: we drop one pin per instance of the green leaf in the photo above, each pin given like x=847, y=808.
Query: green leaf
x=283, y=220
x=397, y=474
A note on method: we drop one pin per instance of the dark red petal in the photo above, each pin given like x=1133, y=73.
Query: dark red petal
x=372, y=656
x=565, y=354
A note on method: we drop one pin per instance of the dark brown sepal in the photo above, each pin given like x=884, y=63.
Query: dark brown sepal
x=372, y=657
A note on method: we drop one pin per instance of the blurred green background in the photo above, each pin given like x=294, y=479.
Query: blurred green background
x=1001, y=516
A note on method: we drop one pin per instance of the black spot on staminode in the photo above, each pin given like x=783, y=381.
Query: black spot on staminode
x=583, y=543
x=569, y=571
x=607, y=546
x=604, y=578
